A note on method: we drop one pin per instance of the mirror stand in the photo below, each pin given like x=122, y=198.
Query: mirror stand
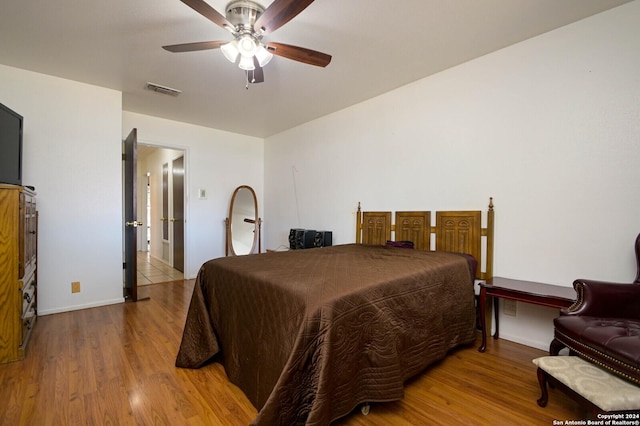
x=243, y=226
x=229, y=244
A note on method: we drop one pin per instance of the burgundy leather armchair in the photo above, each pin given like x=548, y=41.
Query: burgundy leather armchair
x=603, y=325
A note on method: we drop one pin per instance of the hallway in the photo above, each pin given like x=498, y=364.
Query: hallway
x=154, y=271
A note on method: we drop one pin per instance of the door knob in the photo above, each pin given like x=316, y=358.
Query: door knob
x=135, y=223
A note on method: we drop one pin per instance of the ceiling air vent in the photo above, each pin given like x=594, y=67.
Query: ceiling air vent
x=162, y=89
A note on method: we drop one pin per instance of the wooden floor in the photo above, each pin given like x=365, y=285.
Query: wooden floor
x=115, y=365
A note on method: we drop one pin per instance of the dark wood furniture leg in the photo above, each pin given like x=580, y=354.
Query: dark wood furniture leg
x=555, y=347
x=483, y=321
x=496, y=310
x=542, y=380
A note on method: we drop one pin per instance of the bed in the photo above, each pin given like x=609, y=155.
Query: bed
x=308, y=335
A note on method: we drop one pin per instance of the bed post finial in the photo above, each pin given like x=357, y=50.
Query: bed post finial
x=490, y=234
x=358, y=206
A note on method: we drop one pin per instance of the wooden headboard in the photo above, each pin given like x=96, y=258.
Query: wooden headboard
x=455, y=231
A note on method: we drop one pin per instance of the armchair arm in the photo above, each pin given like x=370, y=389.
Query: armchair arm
x=605, y=299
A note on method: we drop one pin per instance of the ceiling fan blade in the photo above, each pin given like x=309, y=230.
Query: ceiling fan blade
x=192, y=47
x=208, y=12
x=299, y=54
x=279, y=13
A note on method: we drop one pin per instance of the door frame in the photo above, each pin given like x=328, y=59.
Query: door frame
x=130, y=215
x=185, y=153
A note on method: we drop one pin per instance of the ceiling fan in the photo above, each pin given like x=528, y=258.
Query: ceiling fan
x=248, y=22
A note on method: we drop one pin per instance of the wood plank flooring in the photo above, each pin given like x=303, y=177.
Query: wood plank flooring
x=114, y=365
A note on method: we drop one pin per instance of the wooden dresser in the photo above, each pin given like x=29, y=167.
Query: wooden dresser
x=18, y=269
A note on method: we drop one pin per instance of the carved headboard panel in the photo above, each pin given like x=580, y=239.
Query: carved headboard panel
x=455, y=231
x=414, y=227
x=376, y=228
x=459, y=232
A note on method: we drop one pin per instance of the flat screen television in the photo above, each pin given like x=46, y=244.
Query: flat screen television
x=10, y=146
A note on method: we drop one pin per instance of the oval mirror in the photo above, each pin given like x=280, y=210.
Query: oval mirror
x=243, y=230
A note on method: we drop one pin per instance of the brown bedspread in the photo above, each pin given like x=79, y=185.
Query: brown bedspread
x=310, y=334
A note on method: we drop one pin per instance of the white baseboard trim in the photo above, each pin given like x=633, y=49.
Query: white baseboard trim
x=544, y=346
x=43, y=312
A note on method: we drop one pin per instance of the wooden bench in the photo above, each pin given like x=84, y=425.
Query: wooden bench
x=588, y=384
x=521, y=291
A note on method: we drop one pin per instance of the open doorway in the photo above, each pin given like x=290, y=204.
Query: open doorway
x=161, y=181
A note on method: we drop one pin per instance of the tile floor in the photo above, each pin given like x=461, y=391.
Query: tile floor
x=154, y=271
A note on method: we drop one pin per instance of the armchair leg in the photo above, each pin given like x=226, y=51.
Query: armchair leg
x=555, y=347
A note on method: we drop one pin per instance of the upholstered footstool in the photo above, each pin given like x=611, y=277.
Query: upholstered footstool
x=587, y=383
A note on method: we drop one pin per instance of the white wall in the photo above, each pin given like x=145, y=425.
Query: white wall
x=216, y=161
x=72, y=155
x=549, y=127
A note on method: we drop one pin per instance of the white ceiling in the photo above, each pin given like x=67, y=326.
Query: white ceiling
x=377, y=46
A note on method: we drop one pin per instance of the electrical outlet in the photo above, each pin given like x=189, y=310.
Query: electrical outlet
x=75, y=287
x=509, y=307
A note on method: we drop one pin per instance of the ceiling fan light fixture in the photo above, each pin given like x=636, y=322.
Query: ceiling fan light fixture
x=246, y=63
x=263, y=55
x=230, y=51
x=247, y=45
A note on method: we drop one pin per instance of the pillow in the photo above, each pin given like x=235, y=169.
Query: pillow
x=402, y=244
x=473, y=263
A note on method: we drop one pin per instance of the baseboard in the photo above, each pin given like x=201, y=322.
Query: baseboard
x=544, y=346
x=43, y=312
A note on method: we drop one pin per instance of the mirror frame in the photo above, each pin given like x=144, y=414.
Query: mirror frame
x=229, y=250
